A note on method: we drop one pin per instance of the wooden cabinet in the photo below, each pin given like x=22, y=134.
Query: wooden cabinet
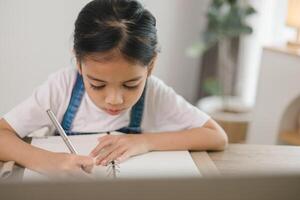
x=277, y=107
x=290, y=137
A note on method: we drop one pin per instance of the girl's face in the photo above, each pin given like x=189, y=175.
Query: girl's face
x=114, y=85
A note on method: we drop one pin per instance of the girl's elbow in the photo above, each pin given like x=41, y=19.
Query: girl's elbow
x=222, y=141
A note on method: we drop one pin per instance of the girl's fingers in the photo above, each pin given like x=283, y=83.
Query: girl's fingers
x=102, y=144
x=79, y=173
x=87, y=169
x=85, y=163
x=105, y=137
x=76, y=171
x=115, y=154
x=123, y=157
x=103, y=155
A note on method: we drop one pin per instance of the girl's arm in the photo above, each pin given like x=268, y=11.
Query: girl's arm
x=13, y=148
x=208, y=137
x=120, y=147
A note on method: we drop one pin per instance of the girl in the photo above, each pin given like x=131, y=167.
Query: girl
x=115, y=46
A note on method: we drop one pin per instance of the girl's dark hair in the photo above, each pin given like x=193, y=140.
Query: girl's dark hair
x=123, y=25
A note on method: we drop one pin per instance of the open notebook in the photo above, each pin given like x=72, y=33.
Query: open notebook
x=160, y=164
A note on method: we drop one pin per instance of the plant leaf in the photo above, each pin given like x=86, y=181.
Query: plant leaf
x=195, y=50
x=212, y=86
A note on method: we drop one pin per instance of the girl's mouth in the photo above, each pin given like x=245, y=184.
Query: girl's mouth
x=113, y=112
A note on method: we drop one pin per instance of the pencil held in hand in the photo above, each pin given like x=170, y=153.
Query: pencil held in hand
x=61, y=131
x=87, y=168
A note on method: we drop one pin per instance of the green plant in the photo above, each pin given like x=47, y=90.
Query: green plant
x=226, y=19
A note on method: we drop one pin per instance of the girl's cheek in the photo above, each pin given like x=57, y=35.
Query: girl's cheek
x=134, y=97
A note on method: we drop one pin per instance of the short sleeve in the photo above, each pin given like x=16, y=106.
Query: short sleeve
x=170, y=111
x=30, y=115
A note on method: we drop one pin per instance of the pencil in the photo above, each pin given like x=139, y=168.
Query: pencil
x=113, y=164
x=61, y=131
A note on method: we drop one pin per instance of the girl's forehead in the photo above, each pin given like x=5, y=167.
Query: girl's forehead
x=110, y=56
x=104, y=57
x=117, y=69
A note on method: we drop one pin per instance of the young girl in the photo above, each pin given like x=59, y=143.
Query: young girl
x=111, y=88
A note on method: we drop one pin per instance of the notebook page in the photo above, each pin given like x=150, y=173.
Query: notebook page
x=153, y=164
x=162, y=164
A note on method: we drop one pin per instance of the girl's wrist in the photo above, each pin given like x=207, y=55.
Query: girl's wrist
x=149, y=142
x=38, y=159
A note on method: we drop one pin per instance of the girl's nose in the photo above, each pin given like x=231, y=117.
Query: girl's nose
x=114, y=98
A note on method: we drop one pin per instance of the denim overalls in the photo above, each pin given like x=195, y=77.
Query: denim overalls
x=76, y=97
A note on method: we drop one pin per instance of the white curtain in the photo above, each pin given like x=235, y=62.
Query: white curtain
x=269, y=30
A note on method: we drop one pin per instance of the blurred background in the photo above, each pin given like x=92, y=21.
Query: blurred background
x=237, y=60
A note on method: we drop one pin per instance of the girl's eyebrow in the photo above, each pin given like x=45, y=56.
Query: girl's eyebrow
x=134, y=79
x=99, y=80
x=95, y=79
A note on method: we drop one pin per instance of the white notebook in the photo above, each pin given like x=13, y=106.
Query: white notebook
x=159, y=164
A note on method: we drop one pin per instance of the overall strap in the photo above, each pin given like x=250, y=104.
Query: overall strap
x=76, y=97
x=136, y=116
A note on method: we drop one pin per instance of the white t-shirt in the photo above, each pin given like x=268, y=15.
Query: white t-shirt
x=164, y=109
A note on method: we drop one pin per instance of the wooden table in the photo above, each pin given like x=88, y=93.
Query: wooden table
x=244, y=159
x=240, y=159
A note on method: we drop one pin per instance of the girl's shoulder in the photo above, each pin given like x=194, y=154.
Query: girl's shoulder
x=155, y=83
x=58, y=85
x=157, y=87
x=66, y=75
x=62, y=80
x=158, y=93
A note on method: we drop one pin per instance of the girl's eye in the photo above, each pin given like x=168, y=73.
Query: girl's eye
x=97, y=87
x=130, y=87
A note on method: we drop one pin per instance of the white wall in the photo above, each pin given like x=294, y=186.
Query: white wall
x=36, y=39
x=180, y=23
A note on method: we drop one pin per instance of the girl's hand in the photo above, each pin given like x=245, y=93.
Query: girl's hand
x=66, y=165
x=119, y=148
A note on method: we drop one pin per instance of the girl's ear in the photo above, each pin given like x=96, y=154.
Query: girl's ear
x=78, y=63
x=79, y=68
x=151, y=65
